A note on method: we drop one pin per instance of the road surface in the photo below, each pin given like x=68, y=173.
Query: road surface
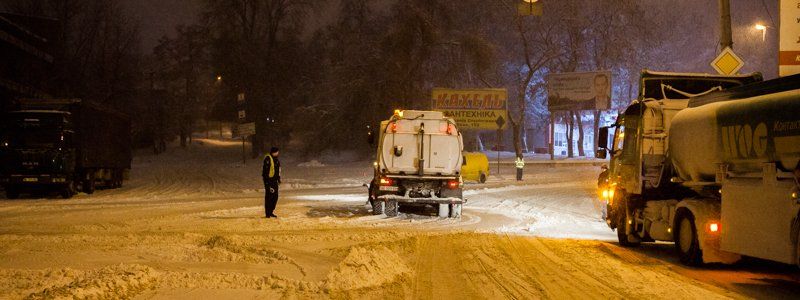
x=189, y=225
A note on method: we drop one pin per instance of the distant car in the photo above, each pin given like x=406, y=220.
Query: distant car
x=475, y=167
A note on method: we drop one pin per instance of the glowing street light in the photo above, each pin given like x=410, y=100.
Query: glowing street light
x=529, y=8
x=763, y=30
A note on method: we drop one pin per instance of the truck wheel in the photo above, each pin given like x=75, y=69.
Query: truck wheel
x=797, y=250
x=12, y=192
x=114, y=181
x=622, y=223
x=377, y=206
x=68, y=190
x=482, y=178
x=686, y=243
x=390, y=208
x=89, y=185
x=455, y=210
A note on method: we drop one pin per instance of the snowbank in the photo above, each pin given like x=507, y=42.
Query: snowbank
x=311, y=164
x=367, y=267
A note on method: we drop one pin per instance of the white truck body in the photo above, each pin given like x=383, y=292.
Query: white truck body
x=418, y=162
x=439, y=150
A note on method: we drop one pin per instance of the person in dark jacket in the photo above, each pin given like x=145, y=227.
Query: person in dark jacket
x=271, y=173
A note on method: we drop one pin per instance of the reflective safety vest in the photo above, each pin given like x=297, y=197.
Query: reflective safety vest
x=271, y=166
x=520, y=163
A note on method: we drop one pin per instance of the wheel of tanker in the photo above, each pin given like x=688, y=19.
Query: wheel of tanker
x=390, y=208
x=622, y=223
x=686, y=242
x=797, y=249
x=482, y=178
x=377, y=206
x=455, y=210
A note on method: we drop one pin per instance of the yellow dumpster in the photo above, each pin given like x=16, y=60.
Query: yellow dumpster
x=475, y=167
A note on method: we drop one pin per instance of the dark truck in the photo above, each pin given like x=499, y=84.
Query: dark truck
x=64, y=145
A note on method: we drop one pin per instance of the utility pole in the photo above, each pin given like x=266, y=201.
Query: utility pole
x=726, y=37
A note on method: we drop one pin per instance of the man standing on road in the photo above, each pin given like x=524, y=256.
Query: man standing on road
x=271, y=172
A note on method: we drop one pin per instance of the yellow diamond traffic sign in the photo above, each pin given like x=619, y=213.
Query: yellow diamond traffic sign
x=727, y=63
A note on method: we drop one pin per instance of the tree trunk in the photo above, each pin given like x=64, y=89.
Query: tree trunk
x=570, y=133
x=579, y=122
x=525, y=148
x=551, y=136
x=596, y=131
x=515, y=130
x=478, y=141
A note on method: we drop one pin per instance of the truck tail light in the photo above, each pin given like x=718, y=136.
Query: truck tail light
x=453, y=184
x=713, y=227
x=450, y=129
x=394, y=127
x=386, y=181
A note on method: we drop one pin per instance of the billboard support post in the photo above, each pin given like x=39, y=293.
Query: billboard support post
x=552, y=132
x=499, y=139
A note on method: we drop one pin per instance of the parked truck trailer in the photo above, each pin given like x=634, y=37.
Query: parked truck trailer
x=711, y=163
x=66, y=145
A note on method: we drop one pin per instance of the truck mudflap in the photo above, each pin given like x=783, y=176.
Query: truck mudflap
x=433, y=200
x=447, y=207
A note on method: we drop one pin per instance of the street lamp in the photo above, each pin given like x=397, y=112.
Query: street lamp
x=763, y=30
x=529, y=8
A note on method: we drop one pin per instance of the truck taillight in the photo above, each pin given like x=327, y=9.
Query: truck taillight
x=713, y=227
x=386, y=181
x=451, y=128
x=453, y=184
x=394, y=127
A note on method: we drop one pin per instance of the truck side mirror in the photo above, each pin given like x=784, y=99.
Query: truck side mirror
x=602, y=138
x=601, y=154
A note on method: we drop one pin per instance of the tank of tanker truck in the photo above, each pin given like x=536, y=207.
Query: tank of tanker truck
x=740, y=133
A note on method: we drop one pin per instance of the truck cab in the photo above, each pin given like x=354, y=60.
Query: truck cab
x=36, y=149
x=418, y=163
x=639, y=150
x=64, y=145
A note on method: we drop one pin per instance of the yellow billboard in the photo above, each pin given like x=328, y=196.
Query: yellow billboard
x=480, y=109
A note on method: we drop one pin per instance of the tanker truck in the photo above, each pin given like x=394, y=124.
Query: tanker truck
x=709, y=163
x=418, y=163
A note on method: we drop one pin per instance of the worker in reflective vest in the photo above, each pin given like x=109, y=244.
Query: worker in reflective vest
x=271, y=172
x=520, y=164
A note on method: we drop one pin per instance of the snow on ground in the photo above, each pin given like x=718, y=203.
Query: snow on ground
x=189, y=225
x=311, y=164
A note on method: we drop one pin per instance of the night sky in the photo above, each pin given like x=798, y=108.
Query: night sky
x=159, y=17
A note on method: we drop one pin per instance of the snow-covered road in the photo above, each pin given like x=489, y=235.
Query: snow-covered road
x=188, y=225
